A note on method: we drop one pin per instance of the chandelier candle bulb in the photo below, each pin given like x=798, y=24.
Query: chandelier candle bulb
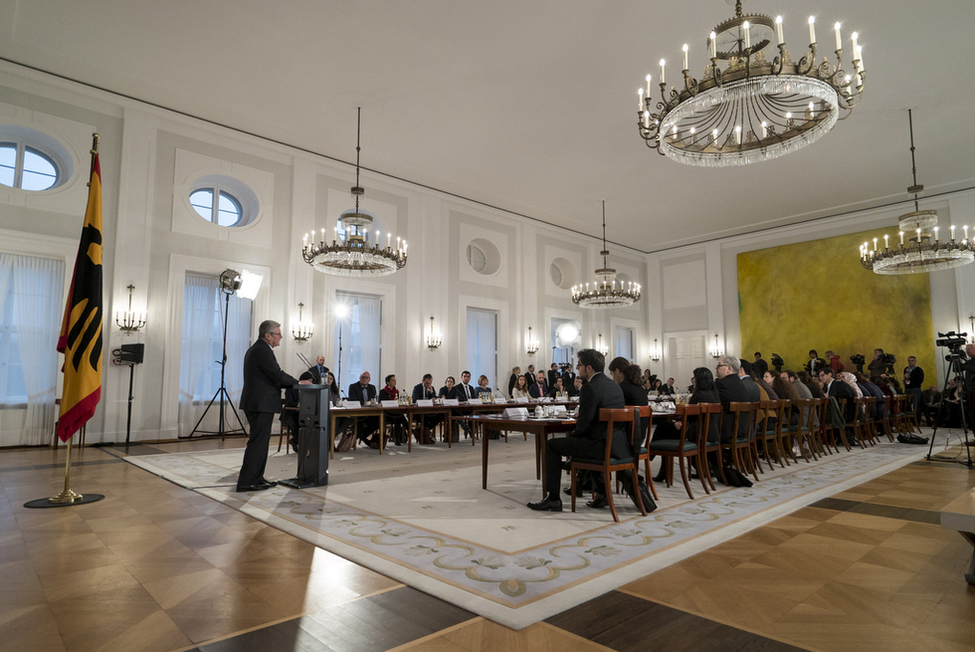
x=712, y=42
x=648, y=86
x=853, y=38
x=812, y=30
x=919, y=236
x=685, y=56
x=952, y=232
x=966, y=231
x=748, y=39
x=935, y=234
x=886, y=244
x=738, y=134
x=875, y=244
x=902, y=238
x=663, y=64
x=778, y=30
x=839, y=39
x=764, y=129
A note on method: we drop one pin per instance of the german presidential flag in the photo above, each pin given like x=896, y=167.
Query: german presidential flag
x=81, y=331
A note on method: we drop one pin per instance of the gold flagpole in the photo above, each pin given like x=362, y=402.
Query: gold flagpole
x=68, y=495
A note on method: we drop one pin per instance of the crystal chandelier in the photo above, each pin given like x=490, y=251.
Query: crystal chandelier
x=355, y=255
x=606, y=291
x=753, y=109
x=922, y=253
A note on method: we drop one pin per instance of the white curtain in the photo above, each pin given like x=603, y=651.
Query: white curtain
x=37, y=305
x=482, y=345
x=199, y=296
x=361, y=333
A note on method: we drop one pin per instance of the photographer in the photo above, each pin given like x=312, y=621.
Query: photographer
x=913, y=379
x=877, y=366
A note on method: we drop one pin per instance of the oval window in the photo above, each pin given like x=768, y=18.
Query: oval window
x=27, y=168
x=225, y=211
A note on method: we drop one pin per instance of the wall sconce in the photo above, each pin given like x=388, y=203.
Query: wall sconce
x=716, y=351
x=655, y=352
x=602, y=349
x=434, y=339
x=302, y=331
x=532, y=347
x=128, y=321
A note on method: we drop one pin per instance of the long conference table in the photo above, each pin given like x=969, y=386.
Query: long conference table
x=468, y=412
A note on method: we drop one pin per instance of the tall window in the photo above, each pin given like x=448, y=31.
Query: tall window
x=626, y=343
x=566, y=337
x=359, y=335
x=204, y=306
x=27, y=168
x=482, y=345
x=31, y=307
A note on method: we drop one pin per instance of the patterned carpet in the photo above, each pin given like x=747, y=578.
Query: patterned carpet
x=423, y=519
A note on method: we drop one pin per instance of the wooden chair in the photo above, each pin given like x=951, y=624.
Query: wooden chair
x=609, y=463
x=743, y=450
x=841, y=402
x=859, y=428
x=767, y=431
x=869, y=420
x=643, y=446
x=711, y=412
x=906, y=417
x=681, y=449
x=885, y=421
x=806, y=433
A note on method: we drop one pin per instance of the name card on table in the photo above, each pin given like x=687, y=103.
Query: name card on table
x=424, y=402
x=388, y=404
x=521, y=399
x=515, y=413
x=451, y=401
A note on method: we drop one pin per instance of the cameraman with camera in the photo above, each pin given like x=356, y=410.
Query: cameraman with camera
x=880, y=364
x=913, y=381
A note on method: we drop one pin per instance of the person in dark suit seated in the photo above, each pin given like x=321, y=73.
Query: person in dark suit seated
x=748, y=381
x=364, y=392
x=539, y=389
x=319, y=371
x=588, y=440
x=421, y=392
x=556, y=388
x=731, y=390
x=576, y=387
x=447, y=391
x=838, y=389
x=668, y=387
x=703, y=391
x=260, y=400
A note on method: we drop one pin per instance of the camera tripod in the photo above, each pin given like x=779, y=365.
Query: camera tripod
x=953, y=367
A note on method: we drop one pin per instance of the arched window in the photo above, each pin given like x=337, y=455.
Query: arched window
x=26, y=167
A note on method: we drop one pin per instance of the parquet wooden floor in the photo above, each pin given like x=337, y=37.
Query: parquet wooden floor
x=157, y=567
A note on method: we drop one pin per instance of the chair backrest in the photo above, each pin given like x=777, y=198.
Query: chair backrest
x=768, y=410
x=745, y=413
x=806, y=407
x=641, y=414
x=613, y=416
x=709, y=412
x=685, y=411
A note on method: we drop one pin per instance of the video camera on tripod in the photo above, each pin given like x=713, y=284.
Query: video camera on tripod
x=859, y=361
x=777, y=362
x=953, y=342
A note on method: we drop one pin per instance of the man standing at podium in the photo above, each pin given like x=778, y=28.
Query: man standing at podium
x=260, y=400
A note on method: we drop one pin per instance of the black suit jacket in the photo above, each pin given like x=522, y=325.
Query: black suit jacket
x=731, y=389
x=914, y=378
x=601, y=392
x=538, y=391
x=636, y=395
x=356, y=393
x=838, y=389
x=552, y=375
x=420, y=392
x=751, y=389
x=464, y=393
x=263, y=380
x=316, y=377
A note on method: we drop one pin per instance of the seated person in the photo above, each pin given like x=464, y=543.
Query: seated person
x=576, y=388
x=447, y=390
x=557, y=389
x=730, y=390
x=424, y=391
x=398, y=422
x=540, y=388
x=363, y=392
x=464, y=393
x=930, y=403
x=482, y=386
x=668, y=387
x=520, y=389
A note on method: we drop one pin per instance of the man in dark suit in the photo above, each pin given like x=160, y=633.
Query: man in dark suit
x=835, y=388
x=425, y=391
x=260, y=400
x=730, y=389
x=539, y=389
x=752, y=391
x=553, y=373
x=530, y=375
x=464, y=393
x=588, y=440
x=319, y=372
x=363, y=392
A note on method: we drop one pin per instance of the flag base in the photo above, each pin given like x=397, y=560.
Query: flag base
x=51, y=502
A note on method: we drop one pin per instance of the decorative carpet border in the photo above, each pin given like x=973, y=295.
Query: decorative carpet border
x=520, y=589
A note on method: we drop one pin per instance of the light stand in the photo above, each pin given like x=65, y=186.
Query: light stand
x=222, y=392
x=953, y=366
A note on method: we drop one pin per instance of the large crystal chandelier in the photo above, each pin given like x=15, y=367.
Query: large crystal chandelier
x=355, y=255
x=606, y=291
x=924, y=251
x=753, y=109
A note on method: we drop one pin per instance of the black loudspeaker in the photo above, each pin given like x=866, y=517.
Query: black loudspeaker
x=133, y=353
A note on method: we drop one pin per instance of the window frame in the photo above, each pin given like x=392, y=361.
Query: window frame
x=21, y=148
x=216, y=192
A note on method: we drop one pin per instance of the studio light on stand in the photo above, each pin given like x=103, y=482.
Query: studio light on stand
x=341, y=312
x=246, y=285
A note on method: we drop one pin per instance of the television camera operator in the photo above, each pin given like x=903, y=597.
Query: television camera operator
x=962, y=363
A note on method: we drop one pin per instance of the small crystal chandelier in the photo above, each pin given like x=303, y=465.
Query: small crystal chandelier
x=355, y=256
x=128, y=321
x=922, y=253
x=655, y=352
x=602, y=348
x=532, y=347
x=606, y=292
x=753, y=109
x=716, y=351
x=302, y=331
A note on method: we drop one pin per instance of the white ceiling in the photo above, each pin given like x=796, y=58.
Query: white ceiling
x=527, y=106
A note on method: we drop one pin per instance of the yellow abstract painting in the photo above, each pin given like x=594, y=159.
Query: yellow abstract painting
x=815, y=295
